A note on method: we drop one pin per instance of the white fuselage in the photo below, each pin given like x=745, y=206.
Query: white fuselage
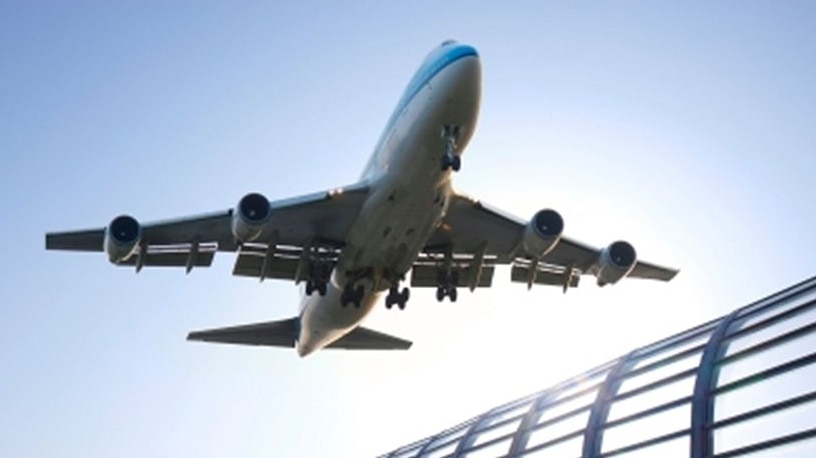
x=409, y=192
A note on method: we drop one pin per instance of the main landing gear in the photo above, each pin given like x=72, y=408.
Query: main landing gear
x=450, y=159
x=318, y=279
x=397, y=297
x=352, y=295
x=447, y=286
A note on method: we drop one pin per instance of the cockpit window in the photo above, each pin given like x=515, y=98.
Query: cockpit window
x=448, y=42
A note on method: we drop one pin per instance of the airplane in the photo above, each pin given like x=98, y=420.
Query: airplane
x=349, y=246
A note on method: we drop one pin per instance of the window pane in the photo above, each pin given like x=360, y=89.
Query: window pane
x=567, y=449
x=450, y=435
x=445, y=450
x=491, y=451
x=643, y=429
x=768, y=391
x=490, y=434
x=508, y=412
x=777, y=329
x=584, y=400
x=678, y=448
x=669, y=352
x=782, y=308
x=556, y=430
x=652, y=398
x=764, y=428
x=578, y=385
x=660, y=373
x=774, y=356
x=802, y=449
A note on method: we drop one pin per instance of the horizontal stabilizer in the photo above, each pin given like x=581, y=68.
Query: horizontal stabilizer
x=361, y=338
x=284, y=334
x=271, y=333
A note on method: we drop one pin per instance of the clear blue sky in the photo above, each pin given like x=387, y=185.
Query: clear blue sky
x=686, y=128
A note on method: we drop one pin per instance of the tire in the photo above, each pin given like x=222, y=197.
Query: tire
x=452, y=294
x=456, y=163
x=440, y=294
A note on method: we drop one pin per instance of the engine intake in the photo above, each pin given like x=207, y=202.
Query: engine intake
x=615, y=262
x=122, y=237
x=250, y=216
x=542, y=233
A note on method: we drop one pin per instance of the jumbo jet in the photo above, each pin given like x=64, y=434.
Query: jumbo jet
x=400, y=223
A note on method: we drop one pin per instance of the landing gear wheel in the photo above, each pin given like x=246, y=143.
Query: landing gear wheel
x=358, y=295
x=310, y=288
x=456, y=163
x=452, y=294
x=440, y=293
x=321, y=288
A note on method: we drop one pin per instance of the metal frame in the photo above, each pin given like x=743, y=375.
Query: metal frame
x=717, y=335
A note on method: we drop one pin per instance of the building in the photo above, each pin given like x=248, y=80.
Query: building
x=743, y=385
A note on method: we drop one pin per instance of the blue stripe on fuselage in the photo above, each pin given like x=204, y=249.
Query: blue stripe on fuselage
x=435, y=63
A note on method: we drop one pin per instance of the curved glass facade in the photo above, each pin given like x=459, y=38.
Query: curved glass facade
x=741, y=385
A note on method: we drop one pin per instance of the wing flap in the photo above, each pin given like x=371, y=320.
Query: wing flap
x=427, y=275
x=171, y=259
x=544, y=275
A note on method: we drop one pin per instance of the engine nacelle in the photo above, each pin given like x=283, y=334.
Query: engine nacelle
x=542, y=233
x=615, y=262
x=122, y=237
x=250, y=216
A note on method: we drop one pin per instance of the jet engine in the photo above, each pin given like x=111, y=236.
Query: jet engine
x=249, y=217
x=542, y=233
x=122, y=236
x=615, y=262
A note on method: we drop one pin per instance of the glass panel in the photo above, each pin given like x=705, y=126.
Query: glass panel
x=768, y=391
x=562, y=428
x=643, y=429
x=670, y=449
x=777, y=329
x=577, y=385
x=491, y=451
x=508, y=411
x=568, y=449
x=490, y=434
x=585, y=400
x=764, y=428
x=455, y=433
x=781, y=308
x=408, y=450
x=659, y=373
x=445, y=450
x=652, y=398
x=666, y=353
x=774, y=356
x=802, y=449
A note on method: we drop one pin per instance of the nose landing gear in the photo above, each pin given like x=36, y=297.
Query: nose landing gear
x=450, y=159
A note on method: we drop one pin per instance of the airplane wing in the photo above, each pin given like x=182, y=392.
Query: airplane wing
x=284, y=334
x=319, y=219
x=478, y=237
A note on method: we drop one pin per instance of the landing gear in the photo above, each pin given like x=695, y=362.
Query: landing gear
x=318, y=279
x=319, y=286
x=450, y=159
x=447, y=286
x=397, y=297
x=352, y=295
